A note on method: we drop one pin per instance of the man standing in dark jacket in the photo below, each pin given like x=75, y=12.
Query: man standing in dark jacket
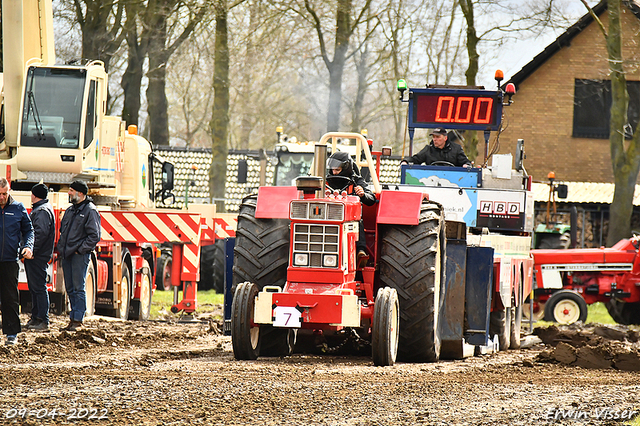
x=440, y=149
x=79, y=233
x=44, y=229
x=15, y=227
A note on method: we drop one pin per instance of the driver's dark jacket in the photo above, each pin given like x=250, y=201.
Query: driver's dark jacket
x=368, y=198
x=452, y=153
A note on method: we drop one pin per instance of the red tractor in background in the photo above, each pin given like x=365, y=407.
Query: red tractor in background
x=569, y=280
x=431, y=288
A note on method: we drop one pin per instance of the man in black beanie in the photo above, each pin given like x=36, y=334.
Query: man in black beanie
x=44, y=229
x=79, y=233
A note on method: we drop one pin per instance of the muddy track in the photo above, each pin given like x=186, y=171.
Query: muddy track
x=174, y=374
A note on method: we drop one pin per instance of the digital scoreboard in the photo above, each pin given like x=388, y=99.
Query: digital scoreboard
x=470, y=109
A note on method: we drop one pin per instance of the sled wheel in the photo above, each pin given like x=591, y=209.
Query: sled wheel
x=90, y=289
x=245, y=335
x=500, y=324
x=124, y=297
x=386, y=322
x=516, y=324
x=538, y=310
x=163, y=273
x=141, y=308
x=565, y=307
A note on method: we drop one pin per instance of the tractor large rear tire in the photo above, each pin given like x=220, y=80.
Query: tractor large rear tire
x=261, y=253
x=386, y=320
x=411, y=262
x=245, y=335
x=623, y=312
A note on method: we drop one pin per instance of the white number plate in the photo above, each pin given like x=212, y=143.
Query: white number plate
x=286, y=316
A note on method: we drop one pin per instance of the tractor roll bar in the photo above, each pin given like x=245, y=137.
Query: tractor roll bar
x=361, y=145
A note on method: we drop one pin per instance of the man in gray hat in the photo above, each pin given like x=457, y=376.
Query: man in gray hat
x=44, y=230
x=441, y=151
x=79, y=233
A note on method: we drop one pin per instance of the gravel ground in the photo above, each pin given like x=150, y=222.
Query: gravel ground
x=155, y=373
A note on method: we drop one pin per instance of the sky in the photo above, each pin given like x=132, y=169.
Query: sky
x=515, y=54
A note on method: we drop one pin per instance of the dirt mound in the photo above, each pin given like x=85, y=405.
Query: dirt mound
x=591, y=346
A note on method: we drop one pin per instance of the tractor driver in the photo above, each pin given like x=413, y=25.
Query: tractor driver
x=440, y=151
x=341, y=164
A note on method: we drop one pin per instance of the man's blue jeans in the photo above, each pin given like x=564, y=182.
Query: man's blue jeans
x=74, y=268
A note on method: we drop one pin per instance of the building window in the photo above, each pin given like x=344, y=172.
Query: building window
x=592, y=108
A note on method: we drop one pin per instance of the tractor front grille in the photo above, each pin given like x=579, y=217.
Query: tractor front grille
x=316, y=241
x=314, y=210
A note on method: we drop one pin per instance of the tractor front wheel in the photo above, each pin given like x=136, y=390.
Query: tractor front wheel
x=386, y=322
x=565, y=307
x=245, y=335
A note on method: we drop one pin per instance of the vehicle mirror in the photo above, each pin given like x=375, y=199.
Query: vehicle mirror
x=167, y=176
x=242, y=171
x=562, y=190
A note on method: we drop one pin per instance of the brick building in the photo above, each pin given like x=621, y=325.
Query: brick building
x=561, y=108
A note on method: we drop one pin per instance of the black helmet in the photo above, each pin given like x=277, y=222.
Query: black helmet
x=340, y=160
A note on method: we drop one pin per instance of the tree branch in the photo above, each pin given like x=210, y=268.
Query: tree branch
x=595, y=18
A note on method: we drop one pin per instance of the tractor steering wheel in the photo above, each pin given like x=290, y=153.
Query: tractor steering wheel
x=442, y=163
x=337, y=182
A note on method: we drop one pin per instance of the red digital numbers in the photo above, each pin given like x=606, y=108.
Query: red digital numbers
x=462, y=109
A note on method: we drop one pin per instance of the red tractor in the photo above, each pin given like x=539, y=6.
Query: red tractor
x=569, y=280
x=428, y=288
x=296, y=256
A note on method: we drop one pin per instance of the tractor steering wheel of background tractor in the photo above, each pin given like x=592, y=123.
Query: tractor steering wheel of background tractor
x=340, y=183
x=442, y=163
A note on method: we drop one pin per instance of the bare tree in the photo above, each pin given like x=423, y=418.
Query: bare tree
x=219, y=124
x=101, y=25
x=347, y=19
x=190, y=92
x=170, y=23
x=533, y=18
x=137, y=39
x=625, y=162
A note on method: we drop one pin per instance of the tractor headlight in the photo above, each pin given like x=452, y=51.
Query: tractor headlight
x=330, y=260
x=300, y=259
